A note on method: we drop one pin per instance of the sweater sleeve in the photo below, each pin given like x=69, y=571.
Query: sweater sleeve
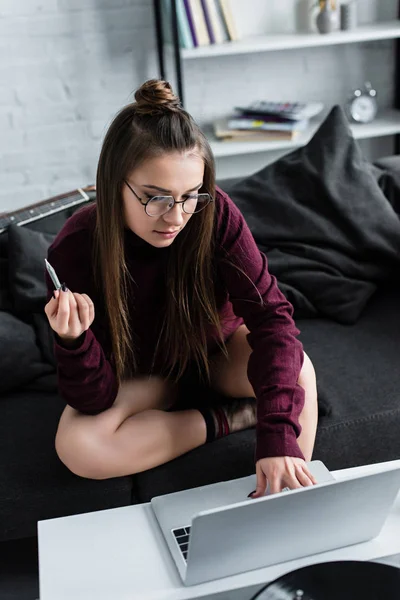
x=277, y=356
x=86, y=379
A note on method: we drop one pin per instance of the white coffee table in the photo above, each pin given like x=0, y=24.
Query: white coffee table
x=120, y=554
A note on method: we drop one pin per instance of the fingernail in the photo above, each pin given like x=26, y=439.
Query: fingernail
x=54, y=295
x=64, y=288
x=251, y=494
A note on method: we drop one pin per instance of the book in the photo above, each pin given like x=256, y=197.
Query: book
x=199, y=22
x=221, y=19
x=190, y=21
x=230, y=24
x=224, y=133
x=291, y=111
x=215, y=25
x=243, y=122
x=184, y=33
x=208, y=22
x=258, y=136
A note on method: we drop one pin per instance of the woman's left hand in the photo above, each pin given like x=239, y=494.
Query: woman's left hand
x=281, y=472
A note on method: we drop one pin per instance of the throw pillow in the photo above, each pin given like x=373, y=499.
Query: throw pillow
x=44, y=337
x=5, y=295
x=389, y=179
x=20, y=357
x=27, y=250
x=328, y=230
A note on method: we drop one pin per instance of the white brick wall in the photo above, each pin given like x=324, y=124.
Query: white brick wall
x=67, y=66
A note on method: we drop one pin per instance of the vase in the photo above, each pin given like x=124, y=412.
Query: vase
x=326, y=18
x=348, y=16
x=306, y=14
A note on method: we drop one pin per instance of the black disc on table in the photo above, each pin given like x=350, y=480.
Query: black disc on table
x=340, y=580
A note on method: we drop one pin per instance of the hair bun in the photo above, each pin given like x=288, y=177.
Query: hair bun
x=156, y=97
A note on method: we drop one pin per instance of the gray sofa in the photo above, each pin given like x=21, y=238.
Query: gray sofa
x=358, y=373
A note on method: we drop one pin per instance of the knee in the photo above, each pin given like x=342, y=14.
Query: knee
x=308, y=381
x=80, y=450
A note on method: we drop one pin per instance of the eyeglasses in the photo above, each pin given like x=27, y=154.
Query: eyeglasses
x=156, y=206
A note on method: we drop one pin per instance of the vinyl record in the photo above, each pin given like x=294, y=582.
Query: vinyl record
x=341, y=580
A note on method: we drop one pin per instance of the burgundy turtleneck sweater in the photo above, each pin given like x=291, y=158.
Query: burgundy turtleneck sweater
x=86, y=377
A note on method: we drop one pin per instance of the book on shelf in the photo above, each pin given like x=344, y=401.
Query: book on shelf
x=210, y=29
x=227, y=13
x=197, y=22
x=289, y=111
x=214, y=20
x=200, y=22
x=223, y=132
x=184, y=33
x=265, y=124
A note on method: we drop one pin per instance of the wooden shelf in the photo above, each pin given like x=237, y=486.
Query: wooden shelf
x=387, y=123
x=270, y=42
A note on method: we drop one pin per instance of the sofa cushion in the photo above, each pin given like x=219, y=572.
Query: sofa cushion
x=330, y=234
x=34, y=484
x=362, y=358
x=27, y=250
x=358, y=380
x=44, y=337
x=20, y=357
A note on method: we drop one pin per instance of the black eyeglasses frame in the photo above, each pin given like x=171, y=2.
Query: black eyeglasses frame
x=144, y=204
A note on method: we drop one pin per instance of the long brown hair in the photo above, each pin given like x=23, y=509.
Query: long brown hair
x=156, y=124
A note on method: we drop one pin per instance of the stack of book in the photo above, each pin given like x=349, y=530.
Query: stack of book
x=267, y=121
x=201, y=22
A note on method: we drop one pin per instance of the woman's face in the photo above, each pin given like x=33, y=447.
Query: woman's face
x=177, y=174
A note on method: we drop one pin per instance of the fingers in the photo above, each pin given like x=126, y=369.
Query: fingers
x=69, y=313
x=261, y=483
x=304, y=476
x=51, y=307
x=285, y=481
x=275, y=485
x=299, y=476
x=74, y=324
x=85, y=310
x=281, y=473
x=91, y=308
x=63, y=313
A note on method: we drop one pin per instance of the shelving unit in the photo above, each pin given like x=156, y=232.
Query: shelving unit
x=273, y=42
x=387, y=123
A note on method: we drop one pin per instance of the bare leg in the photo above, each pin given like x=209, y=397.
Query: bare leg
x=230, y=378
x=137, y=434
x=134, y=435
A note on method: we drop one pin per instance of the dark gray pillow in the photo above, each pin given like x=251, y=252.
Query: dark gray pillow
x=389, y=179
x=20, y=357
x=330, y=234
x=27, y=250
x=5, y=294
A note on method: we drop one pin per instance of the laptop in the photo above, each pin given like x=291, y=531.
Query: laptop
x=215, y=530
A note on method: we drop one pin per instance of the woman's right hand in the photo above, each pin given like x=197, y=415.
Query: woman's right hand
x=70, y=314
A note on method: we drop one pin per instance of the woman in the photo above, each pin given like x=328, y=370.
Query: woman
x=184, y=305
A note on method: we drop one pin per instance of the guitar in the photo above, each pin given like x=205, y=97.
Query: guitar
x=27, y=214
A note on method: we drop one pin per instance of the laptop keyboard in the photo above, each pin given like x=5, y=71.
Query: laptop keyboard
x=182, y=538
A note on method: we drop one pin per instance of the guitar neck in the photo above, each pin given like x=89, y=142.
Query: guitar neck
x=46, y=208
